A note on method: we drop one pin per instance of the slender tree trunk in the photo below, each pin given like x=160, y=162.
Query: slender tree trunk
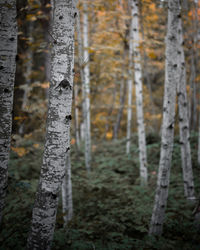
x=76, y=120
x=8, y=51
x=110, y=111
x=86, y=71
x=67, y=201
x=130, y=87
x=171, y=81
x=122, y=94
x=58, y=126
x=184, y=122
x=27, y=75
x=199, y=143
x=145, y=73
x=138, y=90
x=81, y=64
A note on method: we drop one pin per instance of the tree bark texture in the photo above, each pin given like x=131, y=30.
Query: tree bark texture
x=67, y=201
x=8, y=51
x=184, y=122
x=138, y=92
x=86, y=71
x=58, y=126
x=171, y=82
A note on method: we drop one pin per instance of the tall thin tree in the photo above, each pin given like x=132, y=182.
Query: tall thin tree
x=8, y=51
x=171, y=82
x=184, y=121
x=138, y=92
x=58, y=126
x=86, y=71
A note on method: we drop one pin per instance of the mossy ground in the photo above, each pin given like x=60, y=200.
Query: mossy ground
x=111, y=210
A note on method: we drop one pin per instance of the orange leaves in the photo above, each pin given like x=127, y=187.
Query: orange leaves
x=36, y=145
x=73, y=141
x=152, y=55
x=20, y=151
x=109, y=135
x=31, y=17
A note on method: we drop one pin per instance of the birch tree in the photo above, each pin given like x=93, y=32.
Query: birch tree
x=86, y=71
x=130, y=87
x=58, y=126
x=184, y=121
x=171, y=82
x=138, y=90
x=8, y=51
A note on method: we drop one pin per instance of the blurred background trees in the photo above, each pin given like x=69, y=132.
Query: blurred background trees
x=107, y=55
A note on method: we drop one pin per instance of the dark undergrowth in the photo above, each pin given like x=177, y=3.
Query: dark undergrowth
x=111, y=210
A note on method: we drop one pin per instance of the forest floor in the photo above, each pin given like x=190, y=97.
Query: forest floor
x=111, y=210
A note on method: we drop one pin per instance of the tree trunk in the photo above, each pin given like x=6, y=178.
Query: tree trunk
x=184, y=122
x=171, y=81
x=199, y=143
x=130, y=87
x=76, y=120
x=27, y=75
x=138, y=90
x=81, y=63
x=8, y=51
x=67, y=202
x=58, y=126
x=86, y=71
x=121, y=108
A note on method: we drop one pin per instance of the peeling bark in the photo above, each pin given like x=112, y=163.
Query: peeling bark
x=58, y=126
x=171, y=82
x=8, y=51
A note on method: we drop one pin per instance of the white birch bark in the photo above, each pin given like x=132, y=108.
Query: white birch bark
x=86, y=72
x=58, y=126
x=184, y=122
x=138, y=92
x=8, y=51
x=67, y=201
x=130, y=87
x=171, y=81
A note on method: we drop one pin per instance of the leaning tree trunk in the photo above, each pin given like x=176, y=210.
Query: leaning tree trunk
x=138, y=92
x=130, y=87
x=67, y=202
x=58, y=126
x=8, y=51
x=86, y=71
x=171, y=81
x=184, y=122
